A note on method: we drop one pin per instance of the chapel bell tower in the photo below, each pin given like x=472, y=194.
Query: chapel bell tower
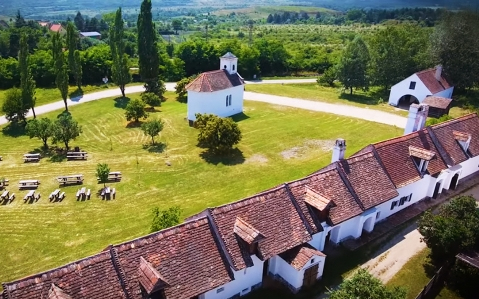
x=229, y=62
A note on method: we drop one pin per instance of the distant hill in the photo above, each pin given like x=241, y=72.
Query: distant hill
x=92, y=7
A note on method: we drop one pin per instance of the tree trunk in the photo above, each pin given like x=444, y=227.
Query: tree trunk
x=351, y=90
x=45, y=143
x=33, y=110
x=66, y=145
x=66, y=106
x=122, y=88
x=152, y=140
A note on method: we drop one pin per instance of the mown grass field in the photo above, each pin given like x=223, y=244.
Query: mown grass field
x=279, y=144
x=413, y=276
x=315, y=92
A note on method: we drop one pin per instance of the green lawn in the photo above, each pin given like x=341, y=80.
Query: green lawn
x=413, y=276
x=49, y=95
x=39, y=236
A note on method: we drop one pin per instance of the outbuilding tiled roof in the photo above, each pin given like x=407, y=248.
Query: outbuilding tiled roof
x=298, y=256
x=444, y=133
x=273, y=213
x=150, y=278
x=428, y=77
x=56, y=27
x=394, y=154
x=247, y=232
x=186, y=256
x=92, y=277
x=421, y=153
x=437, y=102
x=57, y=293
x=214, y=81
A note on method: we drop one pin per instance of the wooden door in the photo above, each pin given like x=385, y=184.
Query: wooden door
x=310, y=275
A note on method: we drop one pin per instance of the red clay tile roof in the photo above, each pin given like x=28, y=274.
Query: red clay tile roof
x=149, y=278
x=298, y=256
x=368, y=179
x=428, y=77
x=316, y=200
x=57, y=293
x=460, y=136
x=92, y=277
x=444, y=132
x=394, y=154
x=273, y=213
x=330, y=185
x=214, y=81
x=437, y=102
x=421, y=153
x=247, y=232
x=187, y=256
x=56, y=27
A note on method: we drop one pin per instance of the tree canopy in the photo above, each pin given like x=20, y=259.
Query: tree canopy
x=165, y=218
x=218, y=134
x=135, y=109
x=40, y=128
x=354, y=65
x=102, y=172
x=152, y=128
x=120, y=68
x=65, y=129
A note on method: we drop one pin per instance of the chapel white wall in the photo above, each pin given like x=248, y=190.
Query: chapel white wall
x=215, y=102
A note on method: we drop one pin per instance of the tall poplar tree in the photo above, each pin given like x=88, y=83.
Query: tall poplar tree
x=60, y=67
x=353, y=66
x=72, y=42
x=149, y=61
x=27, y=84
x=120, y=67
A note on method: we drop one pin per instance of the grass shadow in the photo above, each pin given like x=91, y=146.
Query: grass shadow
x=121, y=102
x=158, y=147
x=14, y=130
x=239, y=117
x=76, y=95
x=359, y=98
x=234, y=157
x=134, y=124
x=55, y=154
x=152, y=110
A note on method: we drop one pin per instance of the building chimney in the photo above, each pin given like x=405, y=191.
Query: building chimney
x=338, y=150
x=438, y=72
x=417, y=118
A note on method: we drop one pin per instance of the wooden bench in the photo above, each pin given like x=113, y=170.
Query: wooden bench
x=28, y=184
x=29, y=195
x=113, y=176
x=61, y=196
x=70, y=179
x=88, y=194
x=12, y=197
x=77, y=155
x=54, y=194
x=31, y=157
x=113, y=193
x=4, y=195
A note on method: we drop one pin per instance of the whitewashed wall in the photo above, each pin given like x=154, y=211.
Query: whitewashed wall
x=295, y=277
x=402, y=88
x=469, y=166
x=215, y=102
x=242, y=283
x=445, y=93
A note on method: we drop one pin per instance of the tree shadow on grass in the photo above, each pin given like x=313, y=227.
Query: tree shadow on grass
x=158, y=147
x=76, y=95
x=14, y=130
x=234, y=157
x=152, y=109
x=121, y=102
x=55, y=154
x=239, y=117
x=134, y=124
x=359, y=98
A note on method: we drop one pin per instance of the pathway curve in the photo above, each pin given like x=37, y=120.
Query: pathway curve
x=344, y=110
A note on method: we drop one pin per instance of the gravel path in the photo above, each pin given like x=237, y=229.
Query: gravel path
x=344, y=110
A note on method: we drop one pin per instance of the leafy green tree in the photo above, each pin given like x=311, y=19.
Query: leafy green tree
x=364, y=285
x=216, y=133
x=102, y=172
x=96, y=63
x=27, y=84
x=432, y=121
x=454, y=229
x=40, y=128
x=151, y=99
x=79, y=21
x=329, y=76
x=13, y=106
x=249, y=62
x=41, y=64
x=353, y=65
x=135, y=109
x=65, y=129
x=273, y=58
x=9, y=75
x=148, y=58
x=176, y=23
x=120, y=68
x=74, y=63
x=180, y=89
x=191, y=52
x=61, y=69
x=152, y=128
x=455, y=44
x=460, y=277
x=165, y=218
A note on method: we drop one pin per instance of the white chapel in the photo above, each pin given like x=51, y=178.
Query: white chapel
x=218, y=92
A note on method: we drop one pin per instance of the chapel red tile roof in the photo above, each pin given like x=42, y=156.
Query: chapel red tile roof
x=428, y=77
x=437, y=102
x=394, y=154
x=214, y=81
x=94, y=277
x=186, y=256
x=368, y=179
x=298, y=256
x=444, y=133
x=273, y=213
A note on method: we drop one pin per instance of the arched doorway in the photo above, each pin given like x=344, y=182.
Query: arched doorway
x=436, y=190
x=454, y=180
x=368, y=225
x=406, y=100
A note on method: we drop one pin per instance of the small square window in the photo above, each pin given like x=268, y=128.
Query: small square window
x=220, y=290
x=412, y=85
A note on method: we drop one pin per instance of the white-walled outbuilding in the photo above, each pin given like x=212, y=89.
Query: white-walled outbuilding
x=218, y=92
x=417, y=87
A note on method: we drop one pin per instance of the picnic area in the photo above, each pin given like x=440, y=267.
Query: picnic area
x=284, y=142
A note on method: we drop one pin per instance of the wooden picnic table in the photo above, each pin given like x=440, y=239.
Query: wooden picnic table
x=4, y=194
x=77, y=155
x=31, y=157
x=28, y=184
x=29, y=195
x=82, y=190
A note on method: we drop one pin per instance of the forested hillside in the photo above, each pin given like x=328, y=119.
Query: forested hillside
x=37, y=7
